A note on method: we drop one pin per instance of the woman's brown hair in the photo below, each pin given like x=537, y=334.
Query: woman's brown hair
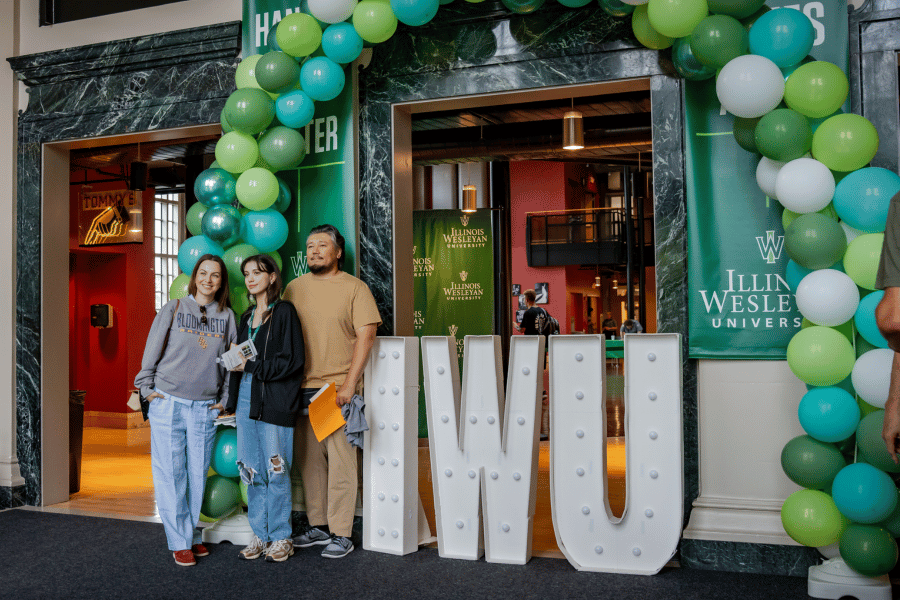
x=222, y=296
x=266, y=264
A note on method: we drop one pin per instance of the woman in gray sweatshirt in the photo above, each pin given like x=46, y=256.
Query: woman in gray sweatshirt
x=180, y=377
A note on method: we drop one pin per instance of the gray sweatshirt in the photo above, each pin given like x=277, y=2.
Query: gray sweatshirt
x=188, y=368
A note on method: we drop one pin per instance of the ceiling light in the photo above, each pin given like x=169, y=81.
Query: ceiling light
x=597, y=282
x=470, y=198
x=573, y=130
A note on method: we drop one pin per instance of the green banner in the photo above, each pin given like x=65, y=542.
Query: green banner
x=740, y=305
x=453, y=268
x=324, y=186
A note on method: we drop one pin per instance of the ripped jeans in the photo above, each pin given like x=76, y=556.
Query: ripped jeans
x=265, y=452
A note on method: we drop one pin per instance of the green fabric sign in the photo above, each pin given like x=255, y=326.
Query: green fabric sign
x=453, y=268
x=740, y=305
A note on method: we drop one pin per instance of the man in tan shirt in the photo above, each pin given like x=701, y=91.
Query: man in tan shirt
x=339, y=318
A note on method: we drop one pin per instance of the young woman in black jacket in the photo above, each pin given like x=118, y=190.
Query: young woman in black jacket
x=265, y=394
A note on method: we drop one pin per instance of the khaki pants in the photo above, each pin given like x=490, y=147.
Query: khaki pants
x=330, y=477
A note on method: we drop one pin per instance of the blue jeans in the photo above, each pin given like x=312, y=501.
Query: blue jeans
x=182, y=433
x=265, y=453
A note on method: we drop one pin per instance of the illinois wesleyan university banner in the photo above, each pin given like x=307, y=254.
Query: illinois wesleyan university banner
x=453, y=263
x=741, y=306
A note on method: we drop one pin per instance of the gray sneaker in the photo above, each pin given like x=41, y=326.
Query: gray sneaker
x=312, y=537
x=338, y=548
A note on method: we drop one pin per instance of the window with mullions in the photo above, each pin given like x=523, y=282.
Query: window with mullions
x=167, y=220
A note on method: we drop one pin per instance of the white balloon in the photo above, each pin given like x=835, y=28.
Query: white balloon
x=332, y=11
x=766, y=174
x=851, y=233
x=830, y=551
x=750, y=86
x=804, y=185
x=827, y=297
x=871, y=376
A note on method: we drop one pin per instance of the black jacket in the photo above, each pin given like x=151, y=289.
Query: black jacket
x=277, y=370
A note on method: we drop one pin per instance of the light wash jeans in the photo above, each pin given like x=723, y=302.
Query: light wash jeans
x=182, y=433
x=265, y=453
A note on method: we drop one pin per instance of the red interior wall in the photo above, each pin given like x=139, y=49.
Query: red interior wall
x=537, y=186
x=103, y=362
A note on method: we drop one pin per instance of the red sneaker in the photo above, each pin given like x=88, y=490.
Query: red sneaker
x=199, y=550
x=184, y=558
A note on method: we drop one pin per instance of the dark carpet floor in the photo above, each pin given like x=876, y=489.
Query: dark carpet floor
x=44, y=555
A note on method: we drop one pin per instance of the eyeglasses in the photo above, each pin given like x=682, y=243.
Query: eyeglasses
x=203, y=320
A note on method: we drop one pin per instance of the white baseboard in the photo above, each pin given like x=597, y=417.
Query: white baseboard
x=751, y=521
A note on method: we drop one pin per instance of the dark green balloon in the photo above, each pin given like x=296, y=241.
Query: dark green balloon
x=614, y=8
x=744, y=131
x=862, y=345
x=283, y=148
x=783, y=135
x=815, y=241
x=226, y=126
x=276, y=72
x=869, y=550
x=871, y=446
x=215, y=186
x=749, y=21
x=811, y=463
x=249, y=110
x=718, y=39
x=523, y=7
x=222, y=224
x=892, y=523
x=686, y=63
x=739, y=9
x=284, y=197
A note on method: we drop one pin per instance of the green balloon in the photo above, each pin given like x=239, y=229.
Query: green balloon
x=862, y=345
x=243, y=488
x=276, y=72
x=810, y=463
x=788, y=216
x=820, y=356
x=749, y=21
x=261, y=163
x=644, y=31
x=892, y=523
x=816, y=89
x=257, y=188
x=524, y=7
x=284, y=197
x=282, y=147
x=718, y=39
x=374, y=21
x=845, y=329
x=222, y=224
x=194, y=218
x=811, y=518
x=179, y=286
x=245, y=76
x=815, y=241
x=276, y=257
x=739, y=9
x=845, y=142
x=744, y=131
x=676, y=18
x=687, y=65
x=783, y=135
x=226, y=126
x=869, y=550
x=298, y=34
x=236, y=152
x=861, y=259
x=220, y=496
x=614, y=8
x=865, y=409
x=239, y=300
x=249, y=110
x=871, y=446
x=233, y=258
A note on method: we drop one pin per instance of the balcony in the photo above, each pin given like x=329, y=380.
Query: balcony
x=595, y=236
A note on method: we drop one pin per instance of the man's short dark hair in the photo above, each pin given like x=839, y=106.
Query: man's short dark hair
x=336, y=237
x=628, y=323
x=530, y=295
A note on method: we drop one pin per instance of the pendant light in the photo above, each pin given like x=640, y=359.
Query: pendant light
x=573, y=129
x=470, y=198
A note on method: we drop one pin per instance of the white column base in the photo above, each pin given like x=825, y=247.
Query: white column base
x=235, y=529
x=737, y=520
x=10, y=476
x=834, y=579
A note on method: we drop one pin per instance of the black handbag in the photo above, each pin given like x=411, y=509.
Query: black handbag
x=145, y=404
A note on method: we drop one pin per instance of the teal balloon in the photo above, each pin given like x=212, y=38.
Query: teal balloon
x=276, y=72
x=222, y=224
x=322, y=79
x=239, y=300
x=283, y=148
x=415, y=12
x=341, y=43
x=794, y=273
x=739, y=9
x=220, y=496
x=815, y=241
x=194, y=218
x=872, y=448
x=295, y=109
x=524, y=7
x=179, y=286
x=215, y=186
x=284, y=197
x=225, y=453
x=686, y=63
x=828, y=414
x=864, y=494
x=249, y=110
x=267, y=229
x=783, y=36
x=810, y=463
x=193, y=248
x=869, y=550
x=862, y=198
x=865, y=321
x=233, y=258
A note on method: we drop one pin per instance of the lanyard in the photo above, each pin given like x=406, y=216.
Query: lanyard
x=250, y=324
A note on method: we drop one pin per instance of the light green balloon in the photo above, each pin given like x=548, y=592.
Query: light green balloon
x=239, y=300
x=812, y=518
x=676, y=18
x=236, y=152
x=820, y=356
x=245, y=76
x=861, y=259
x=645, y=33
x=194, y=218
x=298, y=34
x=179, y=287
x=276, y=257
x=845, y=142
x=233, y=258
x=816, y=89
x=374, y=21
x=257, y=188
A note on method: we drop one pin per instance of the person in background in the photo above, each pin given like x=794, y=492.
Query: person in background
x=528, y=326
x=265, y=394
x=630, y=326
x=610, y=327
x=180, y=377
x=340, y=320
x=887, y=315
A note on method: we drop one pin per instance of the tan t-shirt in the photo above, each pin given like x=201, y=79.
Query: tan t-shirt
x=330, y=311
x=889, y=265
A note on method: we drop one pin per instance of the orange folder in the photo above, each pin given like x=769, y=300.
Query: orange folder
x=324, y=413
